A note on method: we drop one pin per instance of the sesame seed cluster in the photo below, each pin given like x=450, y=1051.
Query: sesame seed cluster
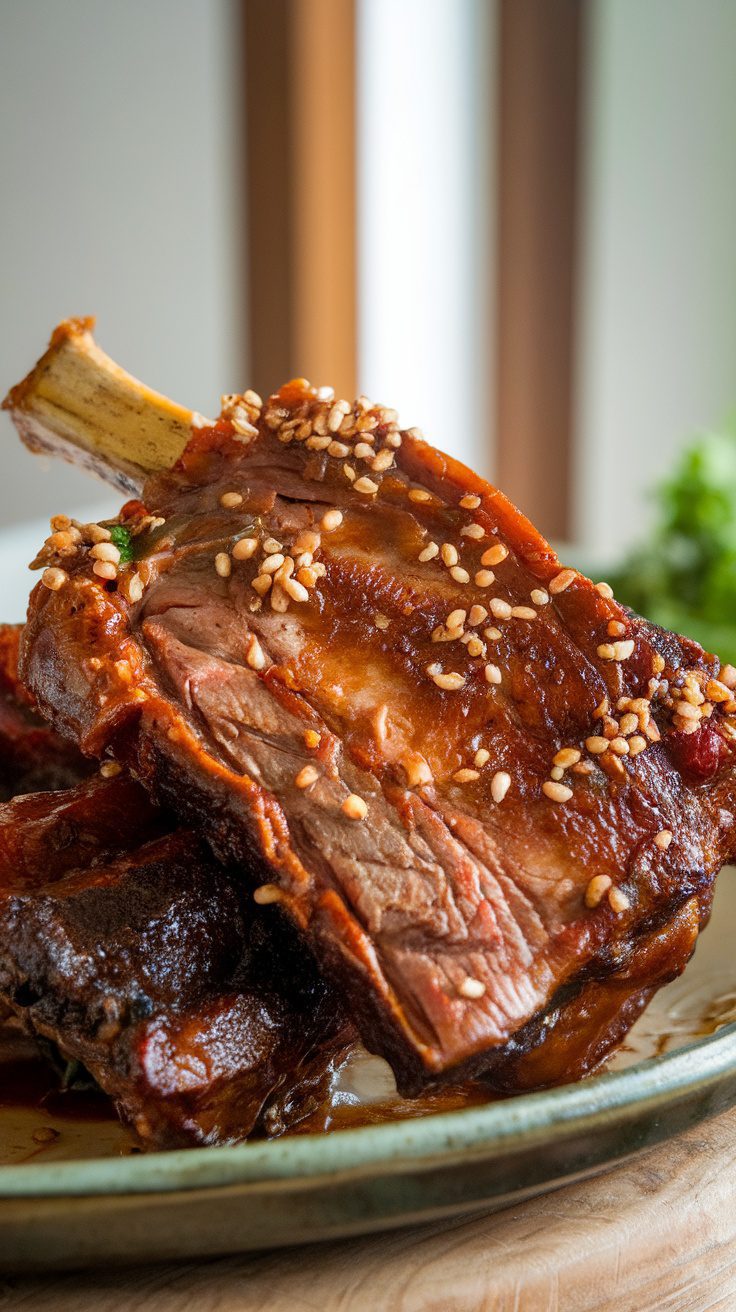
x=363, y=436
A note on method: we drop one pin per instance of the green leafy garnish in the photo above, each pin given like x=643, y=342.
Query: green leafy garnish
x=120, y=536
x=684, y=577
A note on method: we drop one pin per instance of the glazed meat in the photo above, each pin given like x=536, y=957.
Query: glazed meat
x=125, y=944
x=33, y=757
x=491, y=800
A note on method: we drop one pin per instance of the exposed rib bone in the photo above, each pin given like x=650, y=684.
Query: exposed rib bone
x=78, y=404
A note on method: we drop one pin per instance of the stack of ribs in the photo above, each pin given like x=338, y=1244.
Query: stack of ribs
x=416, y=780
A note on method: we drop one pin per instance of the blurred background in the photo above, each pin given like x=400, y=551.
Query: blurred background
x=511, y=219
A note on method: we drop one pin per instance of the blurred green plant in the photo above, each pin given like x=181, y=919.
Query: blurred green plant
x=684, y=576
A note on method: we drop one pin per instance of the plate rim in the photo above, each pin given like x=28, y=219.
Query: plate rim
x=491, y=1131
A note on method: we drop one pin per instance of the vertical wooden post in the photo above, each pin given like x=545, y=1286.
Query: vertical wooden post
x=540, y=53
x=301, y=179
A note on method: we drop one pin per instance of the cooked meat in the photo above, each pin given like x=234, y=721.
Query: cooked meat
x=33, y=758
x=128, y=947
x=492, y=800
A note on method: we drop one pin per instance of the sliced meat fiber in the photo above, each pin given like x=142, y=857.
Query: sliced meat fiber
x=491, y=800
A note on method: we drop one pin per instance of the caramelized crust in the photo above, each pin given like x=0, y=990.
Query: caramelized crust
x=356, y=668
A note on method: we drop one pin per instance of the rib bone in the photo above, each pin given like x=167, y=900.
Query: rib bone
x=78, y=404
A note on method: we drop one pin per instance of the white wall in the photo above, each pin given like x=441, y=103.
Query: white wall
x=117, y=200
x=657, y=345
x=425, y=142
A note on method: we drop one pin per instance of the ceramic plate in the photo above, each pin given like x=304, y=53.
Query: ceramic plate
x=73, y=1193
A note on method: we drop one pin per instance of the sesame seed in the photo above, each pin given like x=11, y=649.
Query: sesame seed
x=492, y=634
x=267, y=893
x=450, y=682
x=484, y=578
x=331, y=520
x=618, y=901
x=295, y=590
x=663, y=839
x=271, y=563
x=596, y=744
x=244, y=548
x=493, y=674
x=475, y=647
x=223, y=564
x=459, y=574
x=134, y=587
x=53, y=578
x=336, y=415
x=261, y=584
x=629, y=724
x=456, y=619
x=363, y=451
x=465, y=776
x=319, y=569
x=307, y=575
x=500, y=784
x=394, y=439
x=523, y=613
x=339, y=450
x=727, y=676
x=471, y=988
x=365, y=485
x=615, y=629
x=254, y=656
x=96, y=533
x=109, y=769
x=597, y=889
x=270, y=545
x=500, y=609
x=476, y=531
x=616, y=651
x=418, y=494
x=354, y=807
x=584, y=767
x=477, y=615
x=104, y=569
x=229, y=500
x=557, y=773
x=658, y=666
x=539, y=596
x=430, y=551
x=312, y=739
x=637, y=744
x=469, y=501
x=717, y=691
x=562, y=581
x=449, y=554
x=619, y=746
x=494, y=555
x=105, y=551
x=482, y=757
x=309, y=774
x=366, y=423
x=349, y=472
x=556, y=792
x=605, y=590
x=566, y=757
x=381, y=621
x=384, y=460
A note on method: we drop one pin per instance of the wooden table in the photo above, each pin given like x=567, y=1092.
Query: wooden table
x=658, y=1235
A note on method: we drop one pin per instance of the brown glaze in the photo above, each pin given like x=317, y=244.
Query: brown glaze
x=441, y=884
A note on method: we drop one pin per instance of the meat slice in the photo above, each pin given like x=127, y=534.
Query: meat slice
x=492, y=800
x=127, y=946
x=33, y=758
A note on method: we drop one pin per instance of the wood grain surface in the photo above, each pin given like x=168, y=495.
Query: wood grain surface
x=658, y=1235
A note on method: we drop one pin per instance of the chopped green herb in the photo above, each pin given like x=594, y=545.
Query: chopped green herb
x=121, y=538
